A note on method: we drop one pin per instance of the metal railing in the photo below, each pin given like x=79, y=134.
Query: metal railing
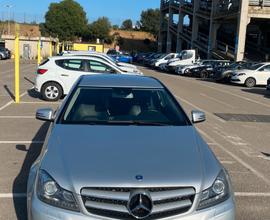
x=202, y=39
x=225, y=48
x=226, y=6
x=262, y=3
x=205, y=5
x=166, y=3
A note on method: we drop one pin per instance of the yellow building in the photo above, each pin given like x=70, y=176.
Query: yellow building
x=88, y=47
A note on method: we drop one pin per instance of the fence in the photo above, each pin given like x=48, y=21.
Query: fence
x=21, y=17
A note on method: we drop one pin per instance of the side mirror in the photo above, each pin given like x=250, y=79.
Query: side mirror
x=198, y=116
x=45, y=114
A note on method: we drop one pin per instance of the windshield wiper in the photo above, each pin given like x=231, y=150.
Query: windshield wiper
x=134, y=122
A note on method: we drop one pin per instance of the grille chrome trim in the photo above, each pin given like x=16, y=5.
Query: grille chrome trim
x=163, y=195
x=113, y=202
x=171, y=206
x=106, y=206
x=113, y=195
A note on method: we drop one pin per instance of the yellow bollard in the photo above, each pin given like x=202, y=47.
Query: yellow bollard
x=17, y=65
x=50, y=54
x=39, y=52
x=57, y=48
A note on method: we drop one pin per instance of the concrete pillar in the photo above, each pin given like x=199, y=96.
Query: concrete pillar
x=243, y=21
x=160, y=37
x=180, y=29
x=212, y=31
x=195, y=23
x=169, y=35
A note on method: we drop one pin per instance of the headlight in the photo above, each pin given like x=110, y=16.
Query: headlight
x=217, y=193
x=241, y=74
x=50, y=192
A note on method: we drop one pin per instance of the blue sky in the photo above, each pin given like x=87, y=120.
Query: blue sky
x=116, y=10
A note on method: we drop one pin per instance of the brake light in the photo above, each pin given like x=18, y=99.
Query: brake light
x=41, y=71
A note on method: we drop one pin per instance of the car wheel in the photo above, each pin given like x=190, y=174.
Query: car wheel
x=250, y=82
x=1, y=58
x=187, y=72
x=204, y=74
x=51, y=91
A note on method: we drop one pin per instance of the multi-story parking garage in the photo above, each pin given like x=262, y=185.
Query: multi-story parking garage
x=229, y=29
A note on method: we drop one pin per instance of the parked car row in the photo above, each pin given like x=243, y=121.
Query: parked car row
x=186, y=64
x=4, y=53
x=56, y=75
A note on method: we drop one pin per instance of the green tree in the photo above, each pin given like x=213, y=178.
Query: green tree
x=127, y=25
x=65, y=20
x=150, y=21
x=100, y=29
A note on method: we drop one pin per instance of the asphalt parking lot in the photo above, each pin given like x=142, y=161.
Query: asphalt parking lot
x=237, y=130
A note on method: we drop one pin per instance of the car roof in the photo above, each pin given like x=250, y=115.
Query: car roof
x=119, y=80
x=76, y=57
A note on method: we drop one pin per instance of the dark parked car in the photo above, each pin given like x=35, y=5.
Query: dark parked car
x=4, y=53
x=123, y=57
x=268, y=85
x=224, y=73
x=207, y=70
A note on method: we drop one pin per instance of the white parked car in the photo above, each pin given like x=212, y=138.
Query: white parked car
x=256, y=74
x=187, y=57
x=56, y=76
x=123, y=66
x=164, y=59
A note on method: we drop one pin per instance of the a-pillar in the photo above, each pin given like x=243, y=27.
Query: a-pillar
x=243, y=21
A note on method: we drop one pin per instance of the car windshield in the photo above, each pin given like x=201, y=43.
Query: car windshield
x=255, y=66
x=123, y=106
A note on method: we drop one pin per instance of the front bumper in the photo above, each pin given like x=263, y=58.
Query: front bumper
x=41, y=211
x=236, y=79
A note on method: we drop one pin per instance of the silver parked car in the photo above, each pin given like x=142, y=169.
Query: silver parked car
x=121, y=147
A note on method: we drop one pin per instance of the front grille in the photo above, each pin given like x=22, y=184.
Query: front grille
x=113, y=202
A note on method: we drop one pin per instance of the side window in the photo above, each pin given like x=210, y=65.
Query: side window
x=265, y=69
x=98, y=67
x=169, y=57
x=71, y=64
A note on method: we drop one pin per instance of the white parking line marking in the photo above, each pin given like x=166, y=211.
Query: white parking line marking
x=12, y=195
x=223, y=91
x=17, y=117
x=216, y=100
x=251, y=194
x=238, y=159
x=21, y=142
x=51, y=103
x=198, y=108
x=11, y=102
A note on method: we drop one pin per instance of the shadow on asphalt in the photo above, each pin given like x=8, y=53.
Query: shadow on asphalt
x=34, y=94
x=259, y=91
x=20, y=182
x=10, y=93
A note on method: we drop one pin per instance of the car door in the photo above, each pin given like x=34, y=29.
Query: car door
x=71, y=70
x=99, y=67
x=262, y=75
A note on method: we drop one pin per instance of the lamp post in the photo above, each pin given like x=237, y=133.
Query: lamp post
x=9, y=8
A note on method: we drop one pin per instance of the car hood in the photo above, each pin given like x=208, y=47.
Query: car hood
x=246, y=71
x=126, y=65
x=107, y=156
